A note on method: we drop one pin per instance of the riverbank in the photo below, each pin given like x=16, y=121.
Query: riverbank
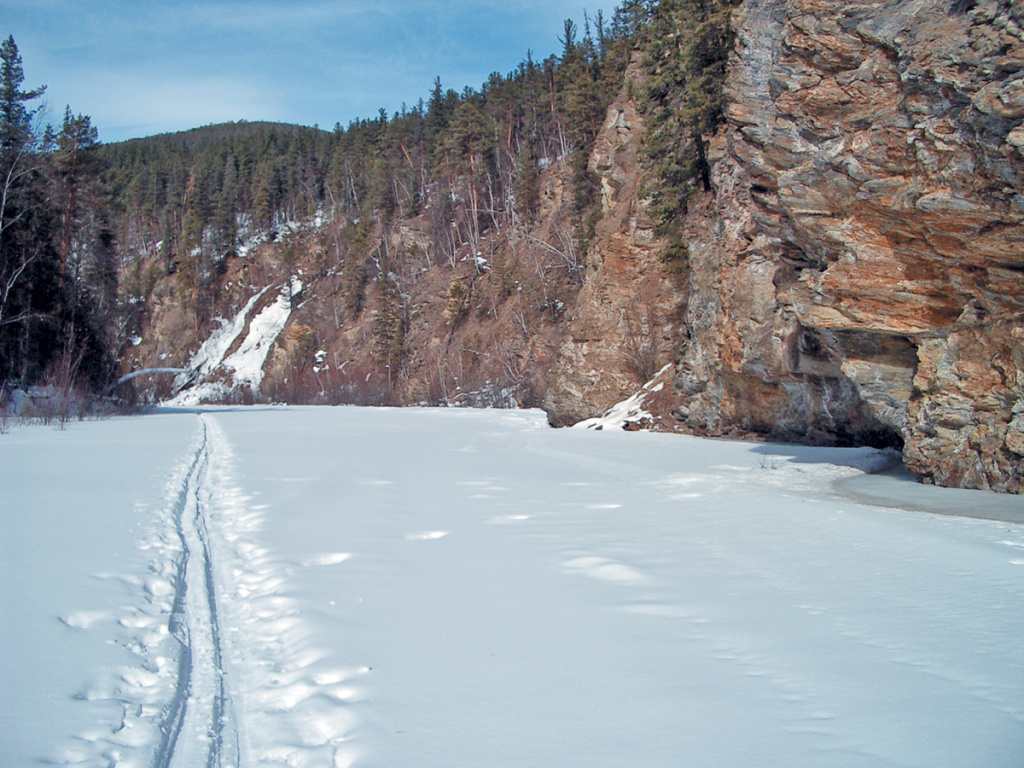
x=896, y=487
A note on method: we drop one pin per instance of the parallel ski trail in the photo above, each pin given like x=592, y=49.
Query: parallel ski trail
x=225, y=672
x=199, y=727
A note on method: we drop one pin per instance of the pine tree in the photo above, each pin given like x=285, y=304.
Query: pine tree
x=16, y=134
x=73, y=167
x=26, y=253
x=687, y=45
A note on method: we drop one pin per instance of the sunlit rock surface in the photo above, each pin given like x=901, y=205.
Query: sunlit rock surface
x=859, y=274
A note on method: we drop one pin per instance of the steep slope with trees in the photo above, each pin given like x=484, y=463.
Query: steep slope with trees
x=416, y=232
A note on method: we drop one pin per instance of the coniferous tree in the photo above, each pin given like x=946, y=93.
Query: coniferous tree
x=27, y=257
x=88, y=280
x=49, y=242
x=686, y=45
x=16, y=134
x=73, y=168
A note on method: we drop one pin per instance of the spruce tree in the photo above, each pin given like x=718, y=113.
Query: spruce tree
x=686, y=45
x=26, y=253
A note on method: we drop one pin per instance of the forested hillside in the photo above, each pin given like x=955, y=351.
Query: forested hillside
x=113, y=223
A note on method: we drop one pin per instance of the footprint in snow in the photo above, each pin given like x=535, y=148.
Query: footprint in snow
x=506, y=519
x=332, y=558
x=604, y=569
x=84, y=619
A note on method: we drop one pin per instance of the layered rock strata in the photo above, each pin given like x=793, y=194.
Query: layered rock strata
x=859, y=275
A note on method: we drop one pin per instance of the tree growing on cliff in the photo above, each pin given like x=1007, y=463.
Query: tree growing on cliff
x=686, y=45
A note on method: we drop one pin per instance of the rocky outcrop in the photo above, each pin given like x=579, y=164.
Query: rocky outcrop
x=629, y=313
x=859, y=275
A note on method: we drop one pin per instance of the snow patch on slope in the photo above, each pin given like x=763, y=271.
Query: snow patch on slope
x=247, y=362
x=214, y=375
x=630, y=411
x=213, y=350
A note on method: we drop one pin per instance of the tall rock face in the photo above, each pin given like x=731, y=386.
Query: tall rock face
x=626, y=319
x=859, y=274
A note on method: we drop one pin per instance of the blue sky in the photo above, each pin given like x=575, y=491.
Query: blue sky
x=141, y=67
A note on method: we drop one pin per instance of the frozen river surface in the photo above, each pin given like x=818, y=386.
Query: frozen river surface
x=392, y=588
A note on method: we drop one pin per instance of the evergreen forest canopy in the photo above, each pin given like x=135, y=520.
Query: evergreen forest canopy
x=87, y=230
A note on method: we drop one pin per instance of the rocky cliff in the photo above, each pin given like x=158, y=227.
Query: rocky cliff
x=855, y=277
x=858, y=274
x=630, y=313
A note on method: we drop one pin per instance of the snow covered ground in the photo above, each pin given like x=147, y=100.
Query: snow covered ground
x=420, y=587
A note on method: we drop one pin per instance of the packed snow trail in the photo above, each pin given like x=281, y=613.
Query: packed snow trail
x=248, y=690
x=199, y=727
x=193, y=652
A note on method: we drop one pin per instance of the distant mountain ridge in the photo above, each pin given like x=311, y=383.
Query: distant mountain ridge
x=194, y=137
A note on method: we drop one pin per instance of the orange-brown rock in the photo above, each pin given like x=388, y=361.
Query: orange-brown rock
x=860, y=273
x=622, y=328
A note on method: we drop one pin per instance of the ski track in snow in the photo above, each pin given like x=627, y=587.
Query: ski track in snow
x=225, y=676
x=199, y=726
